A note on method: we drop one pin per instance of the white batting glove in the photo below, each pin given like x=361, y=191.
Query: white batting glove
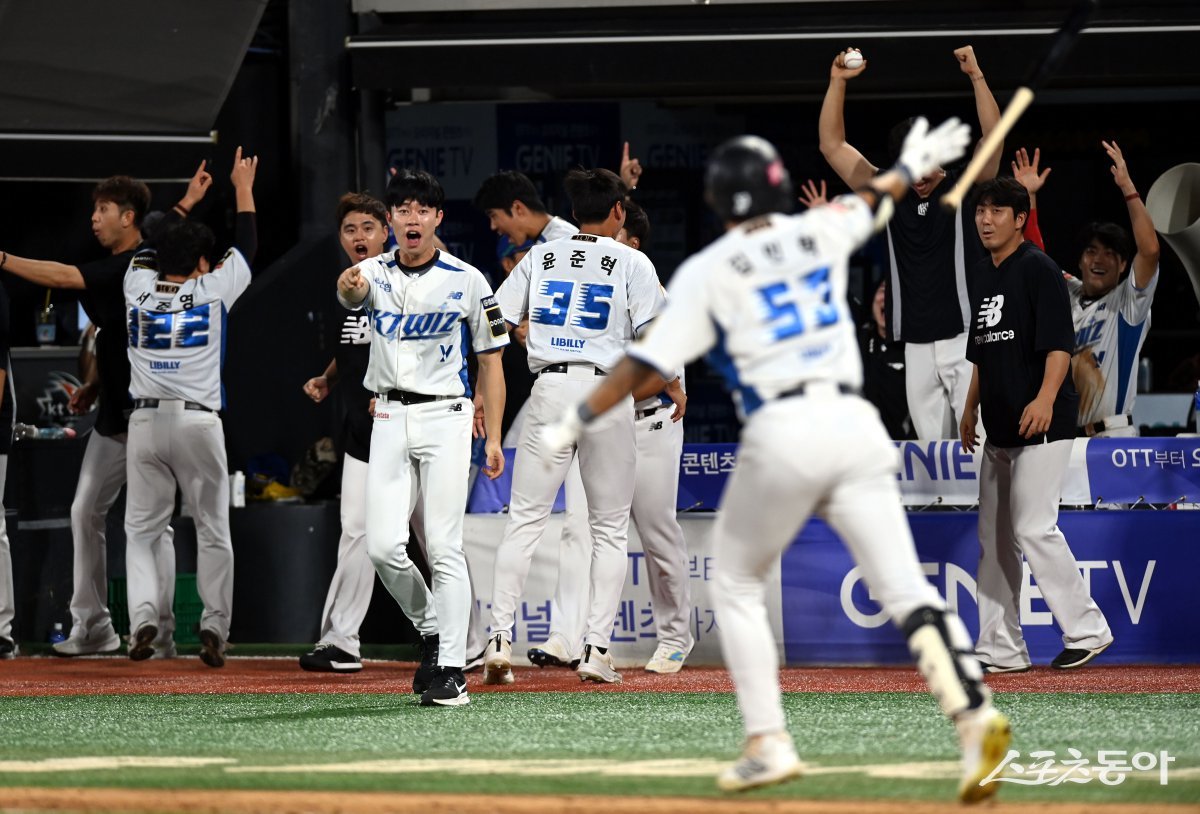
x=926, y=150
x=557, y=439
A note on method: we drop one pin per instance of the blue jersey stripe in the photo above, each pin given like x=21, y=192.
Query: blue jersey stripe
x=1128, y=339
x=747, y=398
x=465, y=348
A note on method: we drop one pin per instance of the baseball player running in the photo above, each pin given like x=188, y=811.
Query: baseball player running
x=177, y=305
x=769, y=299
x=585, y=297
x=428, y=310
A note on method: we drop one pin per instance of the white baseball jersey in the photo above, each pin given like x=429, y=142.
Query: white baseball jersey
x=768, y=298
x=425, y=323
x=557, y=228
x=177, y=330
x=586, y=297
x=1112, y=328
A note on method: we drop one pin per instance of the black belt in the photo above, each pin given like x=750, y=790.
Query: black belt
x=141, y=404
x=844, y=389
x=406, y=398
x=1097, y=427
x=561, y=367
x=640, y=414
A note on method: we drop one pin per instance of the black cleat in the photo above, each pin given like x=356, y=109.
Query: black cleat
x=141, y=644
x=423, y=679
x=212, y=649
x=449, y=689
x=328, y=658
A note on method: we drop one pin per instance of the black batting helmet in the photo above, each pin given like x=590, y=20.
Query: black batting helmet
x=746, y=178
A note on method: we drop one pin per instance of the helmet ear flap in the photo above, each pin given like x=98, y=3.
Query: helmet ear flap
x=746, y=178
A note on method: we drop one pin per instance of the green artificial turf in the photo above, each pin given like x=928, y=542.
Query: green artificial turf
x=831, y=730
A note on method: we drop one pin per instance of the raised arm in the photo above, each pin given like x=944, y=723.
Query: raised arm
x=1145, y=262
x=850, y=165
x=985, y=108
x=246, y=229
x=1027, y=175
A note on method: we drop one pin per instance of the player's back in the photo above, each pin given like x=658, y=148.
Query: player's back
x=777, y=293
x=585, y=297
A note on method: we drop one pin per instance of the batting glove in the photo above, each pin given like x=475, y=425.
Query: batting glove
x=926, y=150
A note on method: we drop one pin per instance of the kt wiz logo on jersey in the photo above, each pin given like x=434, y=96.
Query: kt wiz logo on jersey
x=392, y=326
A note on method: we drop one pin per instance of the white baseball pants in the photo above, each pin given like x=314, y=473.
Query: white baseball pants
x=169, y=446
x=101, y=476
x=427, y=444
x=606, y=457
x=822, y=453
x=937, y=376
x=1019, y=490
x=8, y=601
x=349, y=594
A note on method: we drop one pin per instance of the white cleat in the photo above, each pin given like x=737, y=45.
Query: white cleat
x=667, y=659
x=497, y=668
x=983, y=735
x=765, y=761
x=107, y=642
x=597, y=666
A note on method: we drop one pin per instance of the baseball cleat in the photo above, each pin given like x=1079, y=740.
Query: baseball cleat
x=553, y=653
x=497, y=669
x=141, y=644
x=667, y=659
x=984, y=735
x=165, y=650
x=8, y=649
x=996, y=668
x=328, y=658
x=212, y=648
x=423, y=678
x=765, y=761
x=1077, y=657
x=449, y=689
x=73, y=645
x=475, y=662
x=597, y=666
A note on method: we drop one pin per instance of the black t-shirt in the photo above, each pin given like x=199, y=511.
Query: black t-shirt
x=883, y=381
x=1022, y=311
x=7, y=407
x=931, y=252
x=351, y=339
x=104, y=301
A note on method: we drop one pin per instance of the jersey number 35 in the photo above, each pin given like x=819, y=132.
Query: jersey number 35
x=589, y=309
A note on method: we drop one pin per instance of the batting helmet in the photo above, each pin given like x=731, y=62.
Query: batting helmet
x=746, y=178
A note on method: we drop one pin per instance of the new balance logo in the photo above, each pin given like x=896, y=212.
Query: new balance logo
x=989, y=311
x=356, y=330
x=922, y=208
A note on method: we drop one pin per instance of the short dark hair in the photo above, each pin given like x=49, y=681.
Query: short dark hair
x=896, y=137
x=128, y=194
x=415, y=185
x=593, y=193
x=1108, y=235
x=636, y=223
x=1004, y=191
x=361, y=202
x=181, y=245
x=500, y=190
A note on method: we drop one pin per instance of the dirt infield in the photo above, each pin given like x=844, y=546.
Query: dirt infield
x=119, y=676
x=296, y=802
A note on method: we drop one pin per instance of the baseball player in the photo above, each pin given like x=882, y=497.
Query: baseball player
x=8, y=644
x=659, y=439
x=1112, y=315
x=428, y=310
x=768, y=299
x=585, y=297
x=1021, y=342
x=930, y=251
x=514, y=209
x=117, y=220
x=177, y=305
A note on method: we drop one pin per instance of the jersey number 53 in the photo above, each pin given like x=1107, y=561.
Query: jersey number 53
x=589, y=308
x=790, y=307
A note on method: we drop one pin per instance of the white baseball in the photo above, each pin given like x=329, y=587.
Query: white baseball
x=852, y=59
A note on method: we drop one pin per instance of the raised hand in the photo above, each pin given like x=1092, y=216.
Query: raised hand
x=1026, y=171
x=839, y=70
x=243, y=171
x=967, y=62
x=197, y=187
x=926, y=150
x=810, y=196
x=1119, y=170
x=352, y=285
x=631, y=168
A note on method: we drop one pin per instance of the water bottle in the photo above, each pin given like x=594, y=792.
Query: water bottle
x=42, y=433
x=47, y=327
x=237, y=489
x=1145, y=375
x=56, y=634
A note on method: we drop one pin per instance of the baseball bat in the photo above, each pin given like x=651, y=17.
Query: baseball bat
x=1060, y=46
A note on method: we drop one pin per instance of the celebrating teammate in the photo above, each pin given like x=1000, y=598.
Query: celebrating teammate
x=121, y=203
x=177, y=304
x=1111, y=315
x=769, y=296
x=1021, y=341
x=428, y=310
x=585, y=296
x=930, y=251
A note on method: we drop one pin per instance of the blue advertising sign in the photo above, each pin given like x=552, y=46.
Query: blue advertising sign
x=1153, y=470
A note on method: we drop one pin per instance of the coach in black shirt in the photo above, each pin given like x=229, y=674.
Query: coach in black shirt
x=1020, y=344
